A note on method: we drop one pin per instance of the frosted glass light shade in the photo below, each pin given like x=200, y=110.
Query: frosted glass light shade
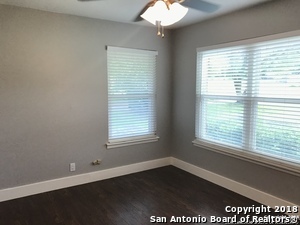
x=176, y=13
x=156, y=12
x=160, y=12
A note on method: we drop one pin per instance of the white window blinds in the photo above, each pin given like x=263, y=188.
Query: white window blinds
x=248, y=98
x=131, y=93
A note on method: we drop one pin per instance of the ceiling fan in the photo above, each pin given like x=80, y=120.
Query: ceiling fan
x=200, y=5
x=166, y=12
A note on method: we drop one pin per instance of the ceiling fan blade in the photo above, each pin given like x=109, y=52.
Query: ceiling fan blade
x=201, y=5
x=138, y=17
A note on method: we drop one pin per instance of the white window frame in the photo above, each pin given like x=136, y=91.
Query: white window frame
x=136, y=139
x=265, y=160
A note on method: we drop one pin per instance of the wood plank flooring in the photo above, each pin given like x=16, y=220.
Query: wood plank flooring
x=126, y=200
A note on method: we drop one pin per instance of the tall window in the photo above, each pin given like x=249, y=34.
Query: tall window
x=131, y=96
x=248, y=98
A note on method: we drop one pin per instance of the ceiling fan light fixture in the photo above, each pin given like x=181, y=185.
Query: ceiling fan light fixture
x=149, y=15
x=162, y=14
x=167, y=15
x=175, y=14
x=157, y=12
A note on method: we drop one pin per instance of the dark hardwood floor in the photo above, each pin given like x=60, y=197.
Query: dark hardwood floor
x=126, y=200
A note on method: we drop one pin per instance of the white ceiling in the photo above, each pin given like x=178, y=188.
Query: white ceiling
x=124, y=10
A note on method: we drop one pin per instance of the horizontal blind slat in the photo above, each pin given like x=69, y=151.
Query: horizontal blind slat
x=264, y=79
x=131, y=92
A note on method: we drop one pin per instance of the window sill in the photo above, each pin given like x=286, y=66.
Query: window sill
x=131, y=141
x=264, y=160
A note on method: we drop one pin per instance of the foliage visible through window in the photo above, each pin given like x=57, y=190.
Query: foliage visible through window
x=248, y=98
x=131, y=93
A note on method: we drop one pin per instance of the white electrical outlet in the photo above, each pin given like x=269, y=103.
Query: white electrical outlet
x=72, y=167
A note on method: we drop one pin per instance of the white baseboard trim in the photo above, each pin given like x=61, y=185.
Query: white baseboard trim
x=242, y=189
x=55, y=184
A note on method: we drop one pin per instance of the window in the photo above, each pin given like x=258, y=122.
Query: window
x=248, y=99
x=131, y=96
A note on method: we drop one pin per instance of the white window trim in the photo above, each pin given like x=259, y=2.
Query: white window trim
x=251, y=41
x=130, y=141
x=134, y=140
x=274, y=163
x=264, y=160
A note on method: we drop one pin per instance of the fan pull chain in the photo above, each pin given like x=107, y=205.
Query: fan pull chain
x=160, y=29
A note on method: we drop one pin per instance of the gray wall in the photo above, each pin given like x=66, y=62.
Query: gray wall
x=270, y=18
x=53, y=94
